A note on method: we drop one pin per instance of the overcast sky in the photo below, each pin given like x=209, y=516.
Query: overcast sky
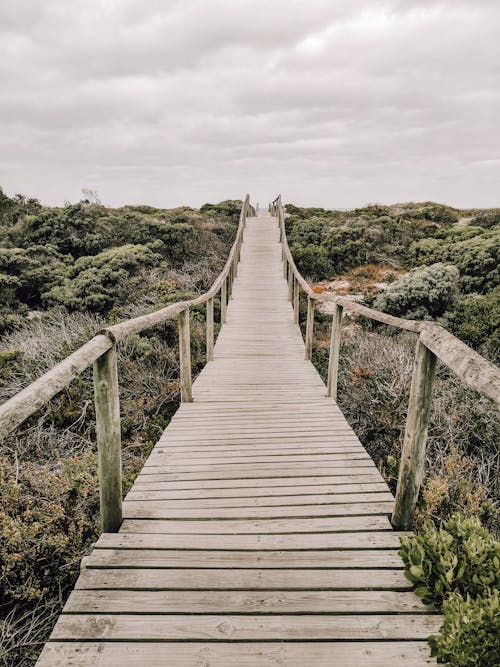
x=332, y=103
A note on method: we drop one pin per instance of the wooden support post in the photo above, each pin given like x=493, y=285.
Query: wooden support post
x=185, y=357
x=296, y=294
x=107, y=411
x=223, y=301
x=285, y=266
x=210, y=329
x=290, y=283
x=311, y=303
x=333, y=361
x=415, y=438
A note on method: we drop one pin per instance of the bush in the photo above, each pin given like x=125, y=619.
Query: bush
x=477, y=258
x=460, y=556
x=98, y=282
x=476, y=321
x=470, y=633
x=42, y=541
x=312, y=261
x=487, y=219
x=423, y=293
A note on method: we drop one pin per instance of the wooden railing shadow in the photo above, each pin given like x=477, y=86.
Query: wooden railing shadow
x=100, y=352
x=433, y=342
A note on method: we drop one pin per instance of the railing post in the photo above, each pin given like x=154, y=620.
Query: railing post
x=185, y=357
x=333, y=361
x=415, y=438
x=232, y=274
x=107, y=410
x=285, y=266
x=223, y=301
x=210, y=328
x=290, y=283
x=309, y=325
x=296, y=294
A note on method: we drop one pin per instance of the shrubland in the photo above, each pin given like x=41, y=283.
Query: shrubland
x=445, y=268
x=64, y=273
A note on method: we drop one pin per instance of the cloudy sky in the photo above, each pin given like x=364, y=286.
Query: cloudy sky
x=332, y=103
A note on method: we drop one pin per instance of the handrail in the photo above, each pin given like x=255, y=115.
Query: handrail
x=100, y=351
x=433, y=343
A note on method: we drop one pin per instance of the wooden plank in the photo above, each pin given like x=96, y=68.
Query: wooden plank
x=260, y=501
x=159, y=458
x=243, y=654
x=253, y=602
x=286, y=541
x=144, y=482
x=245, y=627
x=256, y=526
x=307, y=558
x=162, y=509
x=256, y=579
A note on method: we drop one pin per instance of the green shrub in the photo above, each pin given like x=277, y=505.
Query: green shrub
x=487, y=219
x=477, y=258
x=476, y=321
x=98, y=282
x=312, y=261
x=423, y=293
x=460, y=556
x=470, y=634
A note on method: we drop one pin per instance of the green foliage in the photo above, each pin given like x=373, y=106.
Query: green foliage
x=470, y=634
x=98, y=282
x=476, y=320
x=229, y=208
x=312, y=261
x=488, y=219
x=346, y=247
x=437, y=213
x=477, y=258
x=459, y=556
x=423, y=293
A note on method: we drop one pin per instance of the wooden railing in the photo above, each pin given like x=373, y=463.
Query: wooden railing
x=433, y=343
x=100, y=352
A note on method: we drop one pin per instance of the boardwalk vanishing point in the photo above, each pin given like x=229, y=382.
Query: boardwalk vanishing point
x=258, y=532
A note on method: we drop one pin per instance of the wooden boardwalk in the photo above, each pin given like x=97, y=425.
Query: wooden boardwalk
x=258, y=531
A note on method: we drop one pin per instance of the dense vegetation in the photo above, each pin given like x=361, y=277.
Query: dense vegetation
x=63, y=273
x=422, y=262
x=448, y=260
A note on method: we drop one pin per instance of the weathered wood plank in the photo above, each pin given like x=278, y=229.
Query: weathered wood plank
x=245, y=627
x=259, y=500
x=159, y=482
x=230, y=579
x=284, y=541
x=226, y=654
x=244, y=526
x=253, y=602
x=162, y=509
x=177, y=558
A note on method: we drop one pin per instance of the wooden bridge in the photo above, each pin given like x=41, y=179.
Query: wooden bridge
x=259, y=530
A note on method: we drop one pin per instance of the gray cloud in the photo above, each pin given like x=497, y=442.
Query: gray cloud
x=333, y=104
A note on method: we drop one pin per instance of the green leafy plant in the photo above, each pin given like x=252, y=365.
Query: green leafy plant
x=470, y=633
x=459, y=556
